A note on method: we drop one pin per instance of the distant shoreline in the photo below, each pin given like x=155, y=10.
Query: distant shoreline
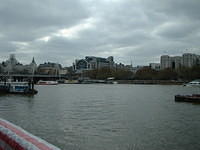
x=161, y=82
x=147, y=82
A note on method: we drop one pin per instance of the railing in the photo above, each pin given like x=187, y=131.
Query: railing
x=13, y=137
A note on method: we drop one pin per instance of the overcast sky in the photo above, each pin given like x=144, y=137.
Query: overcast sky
x=130, y=30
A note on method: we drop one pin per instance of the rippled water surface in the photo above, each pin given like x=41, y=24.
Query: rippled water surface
x=108, y=117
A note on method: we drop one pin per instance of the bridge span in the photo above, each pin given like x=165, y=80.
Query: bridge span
x=35, y=77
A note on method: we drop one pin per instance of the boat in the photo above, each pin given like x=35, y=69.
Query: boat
x=111, y=80
x=41, y=82
x=92, y=81
x=13, y=137
x=194, y=98
x=17, y=87
x=193, y=83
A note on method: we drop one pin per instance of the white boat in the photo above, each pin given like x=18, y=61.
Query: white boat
x=111, y=80
x=193, y=83
x=41, y=82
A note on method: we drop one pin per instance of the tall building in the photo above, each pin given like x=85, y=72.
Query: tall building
x=165, y=61
x=175, y=62
x=186, y=60
x=189, y=60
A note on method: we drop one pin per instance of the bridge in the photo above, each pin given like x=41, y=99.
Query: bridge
x=30, y=75
x=35, y=77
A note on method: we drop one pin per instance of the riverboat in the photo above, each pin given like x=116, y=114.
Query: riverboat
x=17, y=87
x=194, y=98
x=41, y=82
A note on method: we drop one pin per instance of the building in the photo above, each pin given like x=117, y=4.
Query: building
x=13, y=66
x=135, y=69
x=10, y=64
x=31, y=68
x=155, y=66
x=165, y=61
x=91, y=63
x=123, y=67
x=64, y=71
x=175, y=62
x=49, y=68
x=189, y=60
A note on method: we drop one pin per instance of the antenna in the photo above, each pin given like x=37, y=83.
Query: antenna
x=131, y=63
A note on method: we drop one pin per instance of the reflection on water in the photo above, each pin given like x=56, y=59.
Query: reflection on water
x=105, y=117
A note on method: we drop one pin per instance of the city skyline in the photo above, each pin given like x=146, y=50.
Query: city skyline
x=165, y=61
x=130, y=30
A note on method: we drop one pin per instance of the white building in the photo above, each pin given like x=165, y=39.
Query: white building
x=155, y=66
x=175, y=62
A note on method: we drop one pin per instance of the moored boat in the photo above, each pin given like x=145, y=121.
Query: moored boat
x=17, y=87
x=111, y=80
x=194, y=98
x=41, y=82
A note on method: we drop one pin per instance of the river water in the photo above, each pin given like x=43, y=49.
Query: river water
x=108, y=117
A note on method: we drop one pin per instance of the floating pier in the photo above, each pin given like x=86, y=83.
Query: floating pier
x=13, y=137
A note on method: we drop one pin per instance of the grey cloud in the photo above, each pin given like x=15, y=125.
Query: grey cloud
x=6, y=46
x=179, y=30
x=138, y=29
x=171, y=8
x=26, y=20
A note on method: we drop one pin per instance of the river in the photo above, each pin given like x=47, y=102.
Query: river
x=108, y=117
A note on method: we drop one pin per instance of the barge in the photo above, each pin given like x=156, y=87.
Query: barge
x=194, y=98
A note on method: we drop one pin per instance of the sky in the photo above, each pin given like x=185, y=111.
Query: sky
x=137, y=31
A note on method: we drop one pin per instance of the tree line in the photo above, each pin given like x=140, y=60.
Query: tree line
x=145, y=73
x=104, y=73
x=182, y=73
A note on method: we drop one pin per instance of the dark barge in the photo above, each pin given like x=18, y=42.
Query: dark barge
x=194, y=98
